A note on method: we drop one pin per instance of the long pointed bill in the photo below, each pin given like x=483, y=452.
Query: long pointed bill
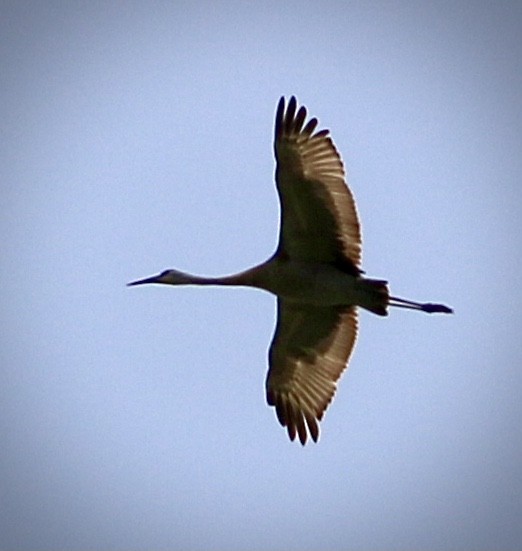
x=427, y=307
x=153, y=279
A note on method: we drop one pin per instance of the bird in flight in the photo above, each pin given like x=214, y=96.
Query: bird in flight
x=314, y=273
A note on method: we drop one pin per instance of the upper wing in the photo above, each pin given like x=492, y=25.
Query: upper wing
x=318, y=217
x=309, y=351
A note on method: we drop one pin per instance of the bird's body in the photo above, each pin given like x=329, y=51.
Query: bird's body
x=314, y=273
x=306, y=283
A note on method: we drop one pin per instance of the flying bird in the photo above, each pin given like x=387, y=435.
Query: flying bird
x=314, y=273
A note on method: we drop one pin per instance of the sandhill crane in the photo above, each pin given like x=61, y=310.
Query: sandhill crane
x=314, y=273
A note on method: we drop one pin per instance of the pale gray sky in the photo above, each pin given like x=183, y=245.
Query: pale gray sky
x=138, y=136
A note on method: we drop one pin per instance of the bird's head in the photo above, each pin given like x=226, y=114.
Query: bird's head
x=167, y=277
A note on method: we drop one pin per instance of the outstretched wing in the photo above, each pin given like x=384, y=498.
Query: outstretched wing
x=309, y=351
x=318, y=216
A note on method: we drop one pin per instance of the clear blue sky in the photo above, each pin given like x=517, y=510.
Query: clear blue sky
x=138, y=136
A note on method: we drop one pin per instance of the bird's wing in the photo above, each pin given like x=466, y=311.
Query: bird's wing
x=309, y=351
x=318, y=216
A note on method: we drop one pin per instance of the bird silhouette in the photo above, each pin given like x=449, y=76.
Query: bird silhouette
x=315, y=274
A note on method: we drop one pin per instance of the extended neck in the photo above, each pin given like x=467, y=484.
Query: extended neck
x=243, y=279
x=175, y=277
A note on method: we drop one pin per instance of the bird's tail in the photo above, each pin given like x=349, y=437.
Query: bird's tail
x=374, y=295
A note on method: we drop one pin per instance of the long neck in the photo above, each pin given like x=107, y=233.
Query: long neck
x=246, y=278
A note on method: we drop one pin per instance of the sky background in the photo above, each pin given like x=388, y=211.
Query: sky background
x=137, y=136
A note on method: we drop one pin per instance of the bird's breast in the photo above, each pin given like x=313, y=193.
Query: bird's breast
x=306, y=282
